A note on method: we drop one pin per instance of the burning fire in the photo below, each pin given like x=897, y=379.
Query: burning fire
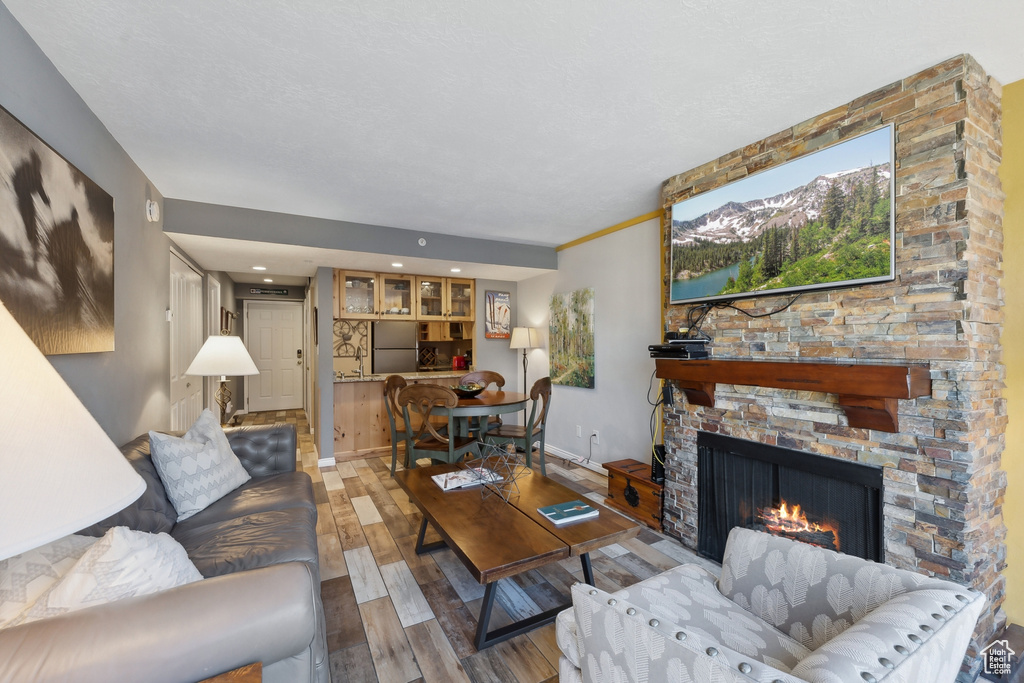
x=793, y=523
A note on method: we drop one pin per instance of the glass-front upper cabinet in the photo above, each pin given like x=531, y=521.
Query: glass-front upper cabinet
x=339, y=309
x=460, y=299
x=397, y=296
x=357, y=295
x=442, y=298
x=430, y=292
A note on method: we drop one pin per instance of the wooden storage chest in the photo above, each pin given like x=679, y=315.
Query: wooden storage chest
x=632, y=492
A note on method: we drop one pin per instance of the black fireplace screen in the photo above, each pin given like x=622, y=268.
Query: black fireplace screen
x=744, y=483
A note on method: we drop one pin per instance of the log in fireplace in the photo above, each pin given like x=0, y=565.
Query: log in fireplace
x=813, y=498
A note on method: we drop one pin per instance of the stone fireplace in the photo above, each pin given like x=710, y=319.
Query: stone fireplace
x=829, y=502
x=942, y=315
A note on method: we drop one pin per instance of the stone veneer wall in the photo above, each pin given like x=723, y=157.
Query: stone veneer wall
x=943, y=483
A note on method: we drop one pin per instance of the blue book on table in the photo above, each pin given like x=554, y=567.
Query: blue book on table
x=573, y=511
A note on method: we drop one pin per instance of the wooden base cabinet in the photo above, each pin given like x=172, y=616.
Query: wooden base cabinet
x=361, y=417
x=632, y=492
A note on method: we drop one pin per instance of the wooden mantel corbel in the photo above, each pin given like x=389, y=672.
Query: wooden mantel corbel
x=868, y=394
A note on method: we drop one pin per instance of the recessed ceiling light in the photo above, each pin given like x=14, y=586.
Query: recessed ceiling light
x=396, y=265
x=267, y=279
x=259, y=267
x=456, y=270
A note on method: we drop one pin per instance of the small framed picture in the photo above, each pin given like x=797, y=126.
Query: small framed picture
x=497, y=315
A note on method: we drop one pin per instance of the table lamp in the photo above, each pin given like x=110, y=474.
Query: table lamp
x=224, y=356
x=524, y=338
x=59, y=471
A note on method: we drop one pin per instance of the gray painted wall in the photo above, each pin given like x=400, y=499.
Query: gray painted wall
x=213, y=220
x=126, y=390
x=624, y=270
x=494, y=354
x=322, y=291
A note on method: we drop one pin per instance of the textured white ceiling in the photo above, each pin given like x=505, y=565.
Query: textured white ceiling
x=536, y=121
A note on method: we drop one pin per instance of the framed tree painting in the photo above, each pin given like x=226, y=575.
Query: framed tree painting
x=497, y=315
x=571, y=356
x=56, y=246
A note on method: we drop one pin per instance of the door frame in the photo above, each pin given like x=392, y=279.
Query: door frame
x=212, y=328
x=302, y=336
x=174, y=325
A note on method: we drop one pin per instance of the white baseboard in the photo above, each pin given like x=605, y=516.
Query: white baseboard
x=329, y=461
x=575, y=459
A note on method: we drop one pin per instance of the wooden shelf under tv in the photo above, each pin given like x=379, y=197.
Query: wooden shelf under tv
x=868, y=394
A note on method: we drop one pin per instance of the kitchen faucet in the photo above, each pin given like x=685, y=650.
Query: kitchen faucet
x=359, y=357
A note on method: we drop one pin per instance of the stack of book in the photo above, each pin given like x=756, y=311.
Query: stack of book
x=471, y=476
x=573, y=511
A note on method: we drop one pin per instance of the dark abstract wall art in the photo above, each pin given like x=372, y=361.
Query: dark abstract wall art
x=56, y=246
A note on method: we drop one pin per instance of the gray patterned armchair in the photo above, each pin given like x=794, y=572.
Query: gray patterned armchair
x=782, y=611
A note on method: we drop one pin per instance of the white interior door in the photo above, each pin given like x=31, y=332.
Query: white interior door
x=186, y=306
x=273, y=335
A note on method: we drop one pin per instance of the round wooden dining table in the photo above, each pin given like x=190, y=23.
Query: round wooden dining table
x=485, y=404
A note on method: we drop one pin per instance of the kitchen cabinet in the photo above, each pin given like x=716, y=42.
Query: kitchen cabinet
x=338, y=307
x=360, y=414
x=460, y=299
x=445, y=299
x=374, y=296
x=443, y=332
x=397, y=296
x=357, y=295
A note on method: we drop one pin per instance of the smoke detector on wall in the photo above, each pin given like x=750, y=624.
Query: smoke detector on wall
x=152, y=211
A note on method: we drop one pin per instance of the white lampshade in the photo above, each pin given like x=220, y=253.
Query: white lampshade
x=59, y=471
x=222, y=355
x=524, y=338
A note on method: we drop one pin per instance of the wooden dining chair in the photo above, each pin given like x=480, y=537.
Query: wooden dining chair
x=423, y=438
x=392, y=385
x=524, y=436
x=484, y=378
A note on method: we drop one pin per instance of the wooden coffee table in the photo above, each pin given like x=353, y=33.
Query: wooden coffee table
x=497, y=540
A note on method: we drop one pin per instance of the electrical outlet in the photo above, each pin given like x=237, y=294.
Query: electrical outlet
x=579, y=432
x=596, y=436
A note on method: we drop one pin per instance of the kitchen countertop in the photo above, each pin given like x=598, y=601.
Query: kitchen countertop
x=441, y=374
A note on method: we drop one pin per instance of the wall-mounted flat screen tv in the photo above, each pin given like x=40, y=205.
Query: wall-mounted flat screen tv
x=823, y=220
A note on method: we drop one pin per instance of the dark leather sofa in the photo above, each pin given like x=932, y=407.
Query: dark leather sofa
x=260, y=600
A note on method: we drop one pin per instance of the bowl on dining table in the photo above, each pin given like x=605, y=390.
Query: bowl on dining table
x=466, y=390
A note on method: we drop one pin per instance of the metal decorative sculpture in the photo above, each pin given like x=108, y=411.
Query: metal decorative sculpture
x=507, y=463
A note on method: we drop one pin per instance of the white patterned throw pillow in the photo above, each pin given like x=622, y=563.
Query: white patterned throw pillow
x=24, y=577
x=122, y=564
x=197, y=469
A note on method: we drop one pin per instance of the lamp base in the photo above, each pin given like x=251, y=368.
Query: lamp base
x=223, y=398
x=524, y=371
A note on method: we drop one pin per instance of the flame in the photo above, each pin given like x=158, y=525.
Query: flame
x=785, y=520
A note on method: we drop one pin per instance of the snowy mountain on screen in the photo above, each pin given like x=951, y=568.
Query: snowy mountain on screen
x=742, y=222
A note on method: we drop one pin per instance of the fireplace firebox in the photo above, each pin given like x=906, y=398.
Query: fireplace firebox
x=813, y=498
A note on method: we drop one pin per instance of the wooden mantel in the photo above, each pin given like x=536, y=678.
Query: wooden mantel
x=868, y=394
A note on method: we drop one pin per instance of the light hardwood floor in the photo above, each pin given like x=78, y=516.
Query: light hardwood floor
x=394, y=616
